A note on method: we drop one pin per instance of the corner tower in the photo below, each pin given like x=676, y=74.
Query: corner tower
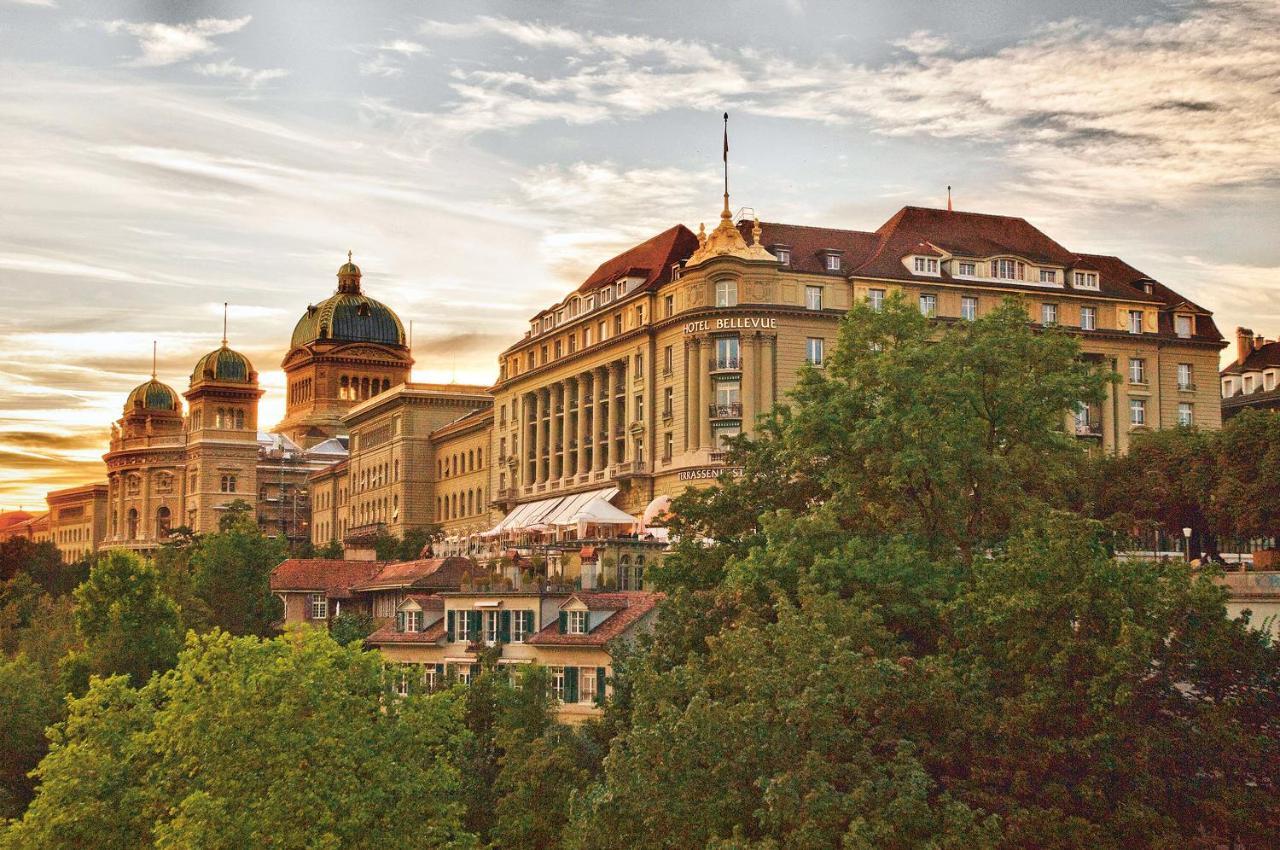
x=344, y=350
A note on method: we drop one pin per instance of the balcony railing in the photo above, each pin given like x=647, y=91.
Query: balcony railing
x=718, y=456
x=727, y=411
x=725, y=364
x=635, y=467
x=1088, y=429
x=1191, y=387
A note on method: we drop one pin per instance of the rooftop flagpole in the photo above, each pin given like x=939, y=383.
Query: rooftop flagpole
x=153, y=359
x=726, y=162
x=224, y=324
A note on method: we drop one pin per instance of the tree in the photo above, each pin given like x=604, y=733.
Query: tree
x=291, y=742
x=232, y=575
x=411, y=547
x=1246, y=499
x=42, y=562
x=331, y=551
x=128, y=624
x=346, y=628
x=28, y=703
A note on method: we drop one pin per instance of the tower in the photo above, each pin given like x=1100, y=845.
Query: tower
x=344, y=350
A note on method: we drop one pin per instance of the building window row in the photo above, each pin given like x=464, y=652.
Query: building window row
x=458, y=505
x=460, y=463
x=358, y=388
x=228, y=418
x=300, y=391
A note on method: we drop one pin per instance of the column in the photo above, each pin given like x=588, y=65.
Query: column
x=750, y=382
x=627, y=409
x=768, y=369
x=558, y=412
x=585, y=388
x=1110, y=437
x=537, y=437
x=605, y=420
x=708, y=396
x=693, y=392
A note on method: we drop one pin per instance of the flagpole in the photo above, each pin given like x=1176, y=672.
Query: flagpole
x=726, y=165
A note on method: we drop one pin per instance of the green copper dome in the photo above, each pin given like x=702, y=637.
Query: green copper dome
x=349, y=316
x=224, y=366
x=152, y=395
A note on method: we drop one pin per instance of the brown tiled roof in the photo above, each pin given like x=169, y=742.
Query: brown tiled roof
x=335, y=577
x=652, y=259
x=1266, y=356
x=434, y=573
x=388, y=635
x=628, y=608
x=808, y=244
x=426, y=601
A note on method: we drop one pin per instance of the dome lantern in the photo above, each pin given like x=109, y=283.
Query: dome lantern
x=349, y=277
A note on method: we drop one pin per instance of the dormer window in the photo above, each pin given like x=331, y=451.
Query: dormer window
x=1147, y=287
x=833, y=262
x=783, y=254
x=1182, y=326
x=926, y=265
x=1048, y=276
x=1085, y=280
x=606, y=295
x=966, y=269
x=675, y=271
x=621, y=288
x=560, y=317
x=577, y=623
x=591, y=303
x=1005, y=269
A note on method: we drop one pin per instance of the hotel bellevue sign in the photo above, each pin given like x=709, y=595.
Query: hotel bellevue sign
x=732, y=323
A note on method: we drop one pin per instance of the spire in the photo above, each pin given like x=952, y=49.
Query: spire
x=224, y=324
x=153, y=359
x=348, y=255
x=726, y=240
x=949, y=199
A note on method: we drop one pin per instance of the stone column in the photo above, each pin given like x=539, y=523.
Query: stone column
x=693, y=390
x=750, y=382
x=537, y=437
x=708, y=397
x=558, y=412
x=768, y=368
x=1110, y=435
x=585, y=389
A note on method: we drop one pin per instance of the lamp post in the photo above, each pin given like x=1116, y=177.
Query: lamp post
x=1186, y=535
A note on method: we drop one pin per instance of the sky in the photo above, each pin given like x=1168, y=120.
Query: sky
x=158, y=159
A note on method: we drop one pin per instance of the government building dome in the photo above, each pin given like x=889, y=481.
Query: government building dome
x=153, y=396
x=224, y=366
x=348, y=316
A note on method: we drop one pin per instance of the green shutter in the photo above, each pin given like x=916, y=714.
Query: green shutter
x=564, y=622
x=599, y=686
x=451, y=633
x=504, y=627
x=473, y=626
x=439, y=675
x=528, y=624
x=571, y=684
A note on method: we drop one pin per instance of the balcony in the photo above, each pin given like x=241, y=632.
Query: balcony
x=725, y=364
x=630, y=469
x=732, y=410
x=1088, y=429
x=1186, y=388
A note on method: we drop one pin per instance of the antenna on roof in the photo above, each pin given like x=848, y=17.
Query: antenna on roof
x=948, y=199
x=726, y=165
x=153, y=359
x=224, y=324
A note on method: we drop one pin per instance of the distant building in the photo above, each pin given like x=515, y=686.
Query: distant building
x=79, y=520
x=20, y=524
x=1253, y=380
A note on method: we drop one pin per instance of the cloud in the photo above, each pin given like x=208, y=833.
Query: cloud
x=164, y=44
x=248, y=76
x=389, y=57
x=1148, y=112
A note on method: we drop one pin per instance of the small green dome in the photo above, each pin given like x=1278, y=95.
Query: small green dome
x=153, y=395
x=349, y=268
x=224, y=366
x=349, y=316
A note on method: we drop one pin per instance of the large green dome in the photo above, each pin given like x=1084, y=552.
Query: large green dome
x=349, y=316
x=224, y=366
x=153, y=396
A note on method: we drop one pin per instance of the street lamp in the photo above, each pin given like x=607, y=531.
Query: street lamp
x=1186, y=534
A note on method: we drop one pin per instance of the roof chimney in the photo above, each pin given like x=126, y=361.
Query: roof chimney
x=1244, y=344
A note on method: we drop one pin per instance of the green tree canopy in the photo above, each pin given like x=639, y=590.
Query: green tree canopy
x=231, y=573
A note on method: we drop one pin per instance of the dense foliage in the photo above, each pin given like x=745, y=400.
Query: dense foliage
x=901, y=626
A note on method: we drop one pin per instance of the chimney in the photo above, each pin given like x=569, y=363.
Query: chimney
x=1258, y=342
x=1244, y=344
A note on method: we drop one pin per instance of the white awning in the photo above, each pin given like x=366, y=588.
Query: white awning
x=599, y=512
x=558, y=510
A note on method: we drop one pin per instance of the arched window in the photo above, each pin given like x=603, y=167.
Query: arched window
x=397, y=469
x=386, y=384
x=133, y=523
x=471, y=461
x=240, y=420
x=364, y=388
x=162, y=521
x=468, y=508
x=344, y=387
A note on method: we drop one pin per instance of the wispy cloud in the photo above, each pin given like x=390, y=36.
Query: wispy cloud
x=250, y=77
x=164, y=44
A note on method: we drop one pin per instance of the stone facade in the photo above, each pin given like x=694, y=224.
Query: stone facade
x=78, y=519
x=464, y=458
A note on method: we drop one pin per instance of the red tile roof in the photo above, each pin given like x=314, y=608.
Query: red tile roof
x=629, y=608
x=1266, y=356
x=335, y=577
x=435, y=573
x=808, y=244
x=651, y=259
x=426, y=601
x=388, y=635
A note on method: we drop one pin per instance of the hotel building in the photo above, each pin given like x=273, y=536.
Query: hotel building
x=636, y=378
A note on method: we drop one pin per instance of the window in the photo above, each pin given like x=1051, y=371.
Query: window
x=813, y=297
x=1137, y=370
x=559, y=349
x=1186, y=414
x=668, y=305
x=668, y=402
x=412, y=621
x=968, y=307
x=1007, y=269
x=1048, y=314
x=833, y=262
x=813, y=350
x=783, y=255
x=1048, y=276
x=557, y=683
x=1085, y=280
x=617, y=325
x=728, y=398
x=319, y=606
x=577, y=623
x=875, y=298
x=668, y=359
x=586, y=684
x=639, y=366
x=639, y=408
x=926, y=265
x=1135, y=321
x=492, y=627
x=1185, y=377
x=1137, y=411
x=727, y=352
x=726, y=293
x=668, y=445
x=605, y=296
x=521, y=625
x=1088, y=318
x=1182, y=326
x=966, y=269
x=929, y=305
x=228, y=484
